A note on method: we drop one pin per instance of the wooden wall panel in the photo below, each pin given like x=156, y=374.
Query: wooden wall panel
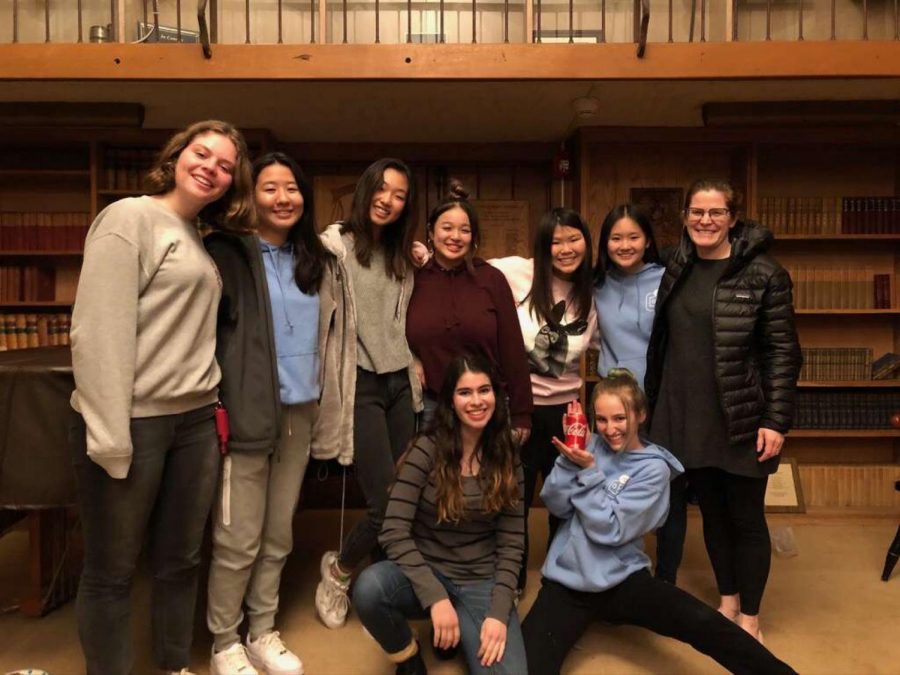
x=835, y=486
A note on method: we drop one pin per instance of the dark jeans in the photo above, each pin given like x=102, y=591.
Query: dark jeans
x=538, y=457
x=167, y=495
x=670, y=537
x=735, y=532
x=384, y=599
x=560, y=615
x=383, y=425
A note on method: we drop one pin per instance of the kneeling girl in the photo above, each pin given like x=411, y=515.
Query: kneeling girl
x=608, y=496
x=454, y=534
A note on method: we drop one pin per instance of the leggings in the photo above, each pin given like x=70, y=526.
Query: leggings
x=538, y=457
x=383, y=425
x=735, y=532
x=560, y=616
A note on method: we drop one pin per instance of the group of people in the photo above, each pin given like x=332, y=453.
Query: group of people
x=208, y=371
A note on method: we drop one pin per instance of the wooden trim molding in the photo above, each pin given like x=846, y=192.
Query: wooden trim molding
x=708, y=61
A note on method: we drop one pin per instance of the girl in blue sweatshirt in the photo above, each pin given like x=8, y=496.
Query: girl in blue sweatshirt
x=626, y=279
x=608, y=496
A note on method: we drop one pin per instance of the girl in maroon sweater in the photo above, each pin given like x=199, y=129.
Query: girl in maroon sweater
x=461, y=304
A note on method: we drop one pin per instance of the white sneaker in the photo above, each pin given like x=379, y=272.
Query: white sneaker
x=231, y=661
x=332, y=602
x=269, y=655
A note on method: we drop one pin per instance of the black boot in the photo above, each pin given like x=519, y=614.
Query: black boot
x=414, y=665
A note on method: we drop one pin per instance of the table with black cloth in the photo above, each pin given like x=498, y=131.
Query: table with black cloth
x=37, y=482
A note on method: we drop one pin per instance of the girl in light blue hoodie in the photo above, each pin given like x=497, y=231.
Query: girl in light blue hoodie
x=608, y=496
x=626, y=279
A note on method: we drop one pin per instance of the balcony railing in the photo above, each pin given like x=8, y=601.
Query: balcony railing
x=446, y=21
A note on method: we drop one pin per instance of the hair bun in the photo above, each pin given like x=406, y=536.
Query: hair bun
x=457, y=190
x=620, y=374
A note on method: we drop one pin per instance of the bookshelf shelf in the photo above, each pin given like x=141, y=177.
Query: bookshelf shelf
x=45, y=173
x=120, y=193
x=847, y=312
x=35, y=304
x=844, y=238
x=844, y=433
x=838, y=384
x=41, y=254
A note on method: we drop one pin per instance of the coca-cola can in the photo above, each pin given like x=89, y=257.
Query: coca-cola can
x=576, y=428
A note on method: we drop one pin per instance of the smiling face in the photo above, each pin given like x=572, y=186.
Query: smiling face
x=205, y=169
x=452, y=237
x=709, y=232
x=279, y=203
x=389, y=199
x=567, y=251
x=474, y=401
x=617, y=425
x=627, y=245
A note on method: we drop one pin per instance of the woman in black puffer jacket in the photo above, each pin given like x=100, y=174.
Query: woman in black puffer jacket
x=722, y=369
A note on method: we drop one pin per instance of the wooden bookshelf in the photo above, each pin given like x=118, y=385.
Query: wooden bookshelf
x=839, y=384
x=844, y=433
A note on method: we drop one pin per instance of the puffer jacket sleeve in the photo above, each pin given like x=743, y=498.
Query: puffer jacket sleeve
x=780, y=357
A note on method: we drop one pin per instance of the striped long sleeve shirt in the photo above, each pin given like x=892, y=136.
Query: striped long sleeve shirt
x=480, y=547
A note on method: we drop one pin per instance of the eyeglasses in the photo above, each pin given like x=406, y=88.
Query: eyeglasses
x=715, y=215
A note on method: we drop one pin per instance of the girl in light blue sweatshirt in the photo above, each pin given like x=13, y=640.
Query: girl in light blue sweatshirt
x=626, y=279
x=608, y=496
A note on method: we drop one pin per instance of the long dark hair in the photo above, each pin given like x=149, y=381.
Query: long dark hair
x=639, y=217
x=234, y=210
x=395, y=239
x=309, y=253
x=496, y=451
x=457, y=198
x=540, y=298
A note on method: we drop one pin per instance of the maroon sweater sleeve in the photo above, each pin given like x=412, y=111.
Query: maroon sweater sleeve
x=511, y=348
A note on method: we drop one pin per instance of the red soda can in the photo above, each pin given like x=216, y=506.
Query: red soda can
x=576, y=428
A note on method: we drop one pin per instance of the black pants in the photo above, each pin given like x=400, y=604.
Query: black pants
x=670, y=537
x=735, y=532
x=538, y=457
x=560, y=615
x=165, y=499
x=383, y=425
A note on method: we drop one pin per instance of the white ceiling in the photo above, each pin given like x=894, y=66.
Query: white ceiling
x=436, y=112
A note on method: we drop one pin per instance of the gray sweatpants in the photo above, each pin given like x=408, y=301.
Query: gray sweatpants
x=249, y=551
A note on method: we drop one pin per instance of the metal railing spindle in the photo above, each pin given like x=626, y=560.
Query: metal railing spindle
x=603, y=20
x=538, y=12
x=702, y=20
x=670, y=21
x=474, y=39
x=377, y=22
x=80, y=27
x=441, y=21
x=768, y=19
x=833, y=33
x=178, y=18
x=46, y=20
x=505, y=20
x=247, y=21
x=800, y=27
x=865, y=20
x=280, y=40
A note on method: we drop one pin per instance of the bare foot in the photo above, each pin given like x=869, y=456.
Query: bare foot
x=730, y=607
x=751, y=625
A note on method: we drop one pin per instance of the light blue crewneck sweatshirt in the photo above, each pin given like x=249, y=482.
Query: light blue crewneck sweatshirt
x=626, y=304
x=606, y=511
x=295, y=325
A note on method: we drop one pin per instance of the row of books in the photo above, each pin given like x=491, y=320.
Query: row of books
x=830, y=215
x=124, y=169
x=845, y=410
x=829, y=364
x=34, y=231
x=845, y=287
x=25, y=331
x=27, y=283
